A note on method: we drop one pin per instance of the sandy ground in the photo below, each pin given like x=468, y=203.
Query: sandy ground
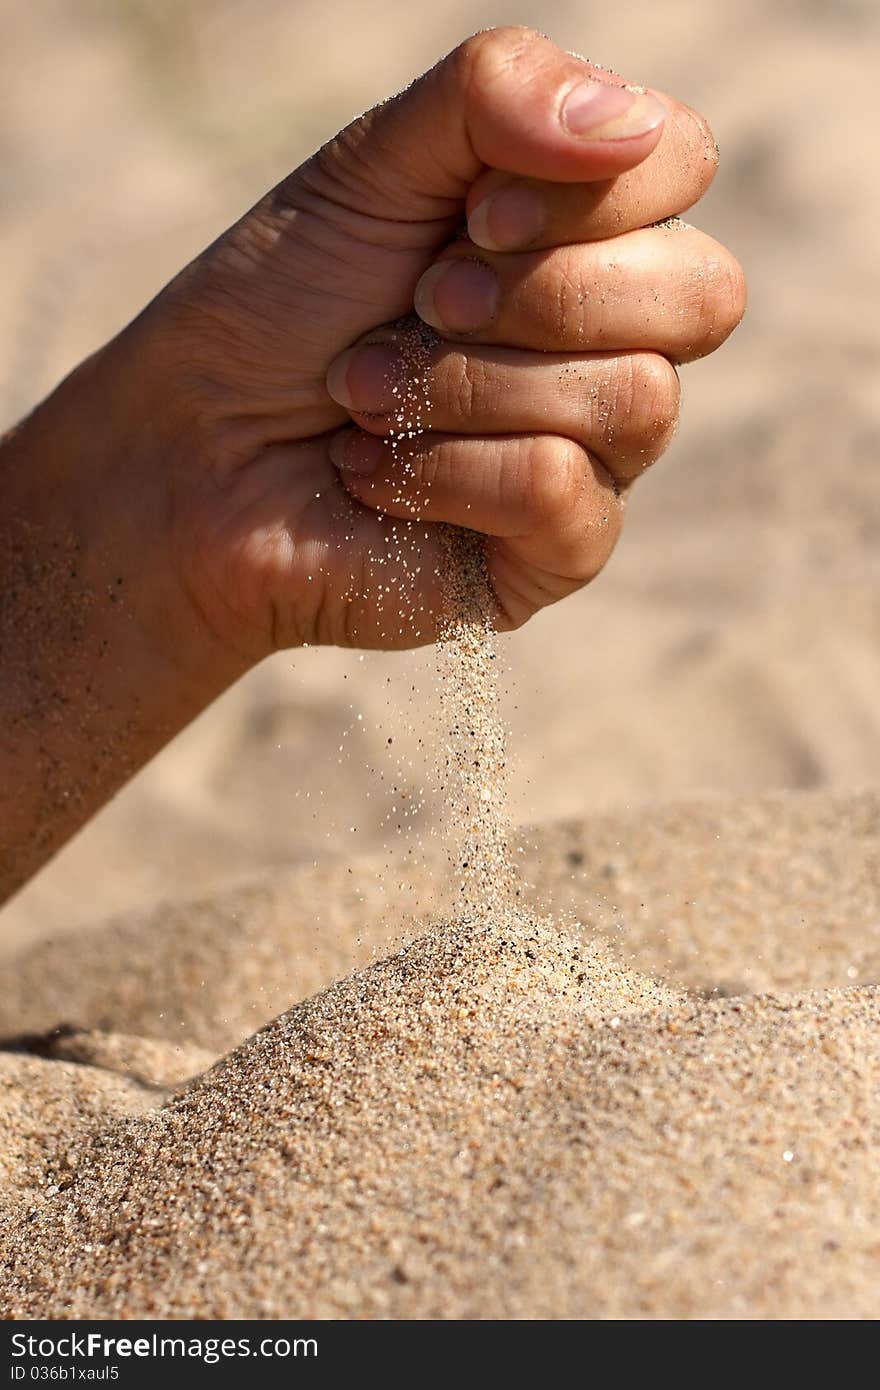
x=732, y=648
x=664, y=1105
x=731, y=645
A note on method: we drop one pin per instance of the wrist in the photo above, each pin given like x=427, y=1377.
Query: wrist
x=90, y=477
x=103, y=657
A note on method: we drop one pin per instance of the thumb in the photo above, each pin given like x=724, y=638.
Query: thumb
x=509, y=99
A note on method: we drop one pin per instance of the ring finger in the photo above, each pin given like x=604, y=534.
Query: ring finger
x=621, y=407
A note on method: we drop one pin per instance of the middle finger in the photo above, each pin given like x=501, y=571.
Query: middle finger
x=667, y=289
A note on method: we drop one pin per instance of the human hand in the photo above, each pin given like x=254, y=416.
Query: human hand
x=551, y=390
x=195, y=495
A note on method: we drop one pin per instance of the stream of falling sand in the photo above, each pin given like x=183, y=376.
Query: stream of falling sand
x=472, y=774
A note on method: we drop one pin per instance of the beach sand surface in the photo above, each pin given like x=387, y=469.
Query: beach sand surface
x=660, y=1103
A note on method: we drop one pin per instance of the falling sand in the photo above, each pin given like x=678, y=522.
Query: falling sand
x=475, y=753
x=472, y=755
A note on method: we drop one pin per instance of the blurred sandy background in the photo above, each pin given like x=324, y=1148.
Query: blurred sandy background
x=734, y=644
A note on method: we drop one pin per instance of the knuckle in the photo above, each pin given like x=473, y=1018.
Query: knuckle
x=462, y=383
x=563, y=302
x=717, y=293
x=645, y=401
x=572, y=497
x=599, y=525
x=467, y=57
x=655, y=396
x=555, y=478
x=483, y=54
x=428, y=466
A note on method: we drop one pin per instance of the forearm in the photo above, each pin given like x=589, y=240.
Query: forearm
x=101, y=659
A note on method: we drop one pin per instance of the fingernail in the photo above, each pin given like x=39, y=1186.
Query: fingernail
x=597, y=111
x=356, y=452
x=509, y=218
x=364, y=379
x=457, y=296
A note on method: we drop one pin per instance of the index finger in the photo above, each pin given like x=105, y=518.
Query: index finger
x=506, y=213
